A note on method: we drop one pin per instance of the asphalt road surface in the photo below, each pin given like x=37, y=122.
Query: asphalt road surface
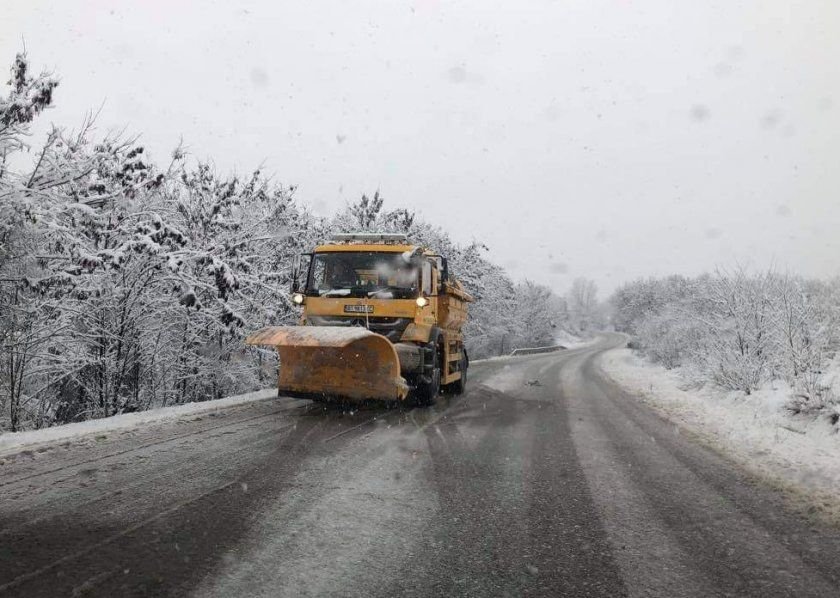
x=544, y=479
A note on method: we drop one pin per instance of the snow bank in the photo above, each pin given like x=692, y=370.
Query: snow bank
x=14, y=441
x=755, y=429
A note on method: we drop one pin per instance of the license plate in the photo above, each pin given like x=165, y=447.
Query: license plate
x=358, y=309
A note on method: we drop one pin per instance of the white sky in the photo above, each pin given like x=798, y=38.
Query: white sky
x=608, y=139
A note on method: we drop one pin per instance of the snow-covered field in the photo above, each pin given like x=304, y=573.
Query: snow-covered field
x=799, y=452
x=14, y=441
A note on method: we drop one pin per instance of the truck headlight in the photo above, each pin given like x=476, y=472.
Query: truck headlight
x=297, y=298
x=422, y=302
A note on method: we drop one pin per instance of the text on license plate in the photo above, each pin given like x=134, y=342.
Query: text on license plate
x=358, y=309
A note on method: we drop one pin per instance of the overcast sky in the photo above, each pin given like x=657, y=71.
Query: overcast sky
x=607, y=139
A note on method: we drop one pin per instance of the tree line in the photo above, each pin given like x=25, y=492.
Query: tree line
x=739, y=330
x=126, y=285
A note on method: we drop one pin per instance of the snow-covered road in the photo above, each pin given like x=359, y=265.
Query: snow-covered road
x=544, y=479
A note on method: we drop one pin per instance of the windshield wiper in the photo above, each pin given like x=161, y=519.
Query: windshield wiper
x=336, y=293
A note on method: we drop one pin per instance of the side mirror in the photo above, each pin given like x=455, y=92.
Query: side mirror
x=444, y=270
x=296, y=277
x=298, y=270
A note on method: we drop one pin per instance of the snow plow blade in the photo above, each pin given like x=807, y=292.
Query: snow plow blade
x=332, y=362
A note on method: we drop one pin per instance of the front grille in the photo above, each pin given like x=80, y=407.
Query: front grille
x=392, y=328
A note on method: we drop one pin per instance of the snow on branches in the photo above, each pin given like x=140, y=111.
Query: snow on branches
x=739, y=330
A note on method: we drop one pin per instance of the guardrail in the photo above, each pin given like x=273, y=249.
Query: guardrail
x=534, y=350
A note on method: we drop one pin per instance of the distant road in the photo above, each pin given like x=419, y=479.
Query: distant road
x=543, y=480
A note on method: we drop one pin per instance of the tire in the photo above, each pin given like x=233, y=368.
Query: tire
x=459, y=387
x=425, y=393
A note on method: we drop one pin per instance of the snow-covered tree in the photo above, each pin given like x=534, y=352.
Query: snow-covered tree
x=24, y=324
x=582, y=301
x=738, y=329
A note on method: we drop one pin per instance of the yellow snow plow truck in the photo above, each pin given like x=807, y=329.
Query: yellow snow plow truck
x=381, y=319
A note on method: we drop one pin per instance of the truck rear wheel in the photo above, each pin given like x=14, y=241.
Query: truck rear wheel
x=428, y=386
x=460, y=385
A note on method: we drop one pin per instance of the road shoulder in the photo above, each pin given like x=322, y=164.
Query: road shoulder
x=14, y=442
x=798, y=455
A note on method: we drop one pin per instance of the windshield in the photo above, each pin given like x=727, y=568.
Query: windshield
x=362, y=274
